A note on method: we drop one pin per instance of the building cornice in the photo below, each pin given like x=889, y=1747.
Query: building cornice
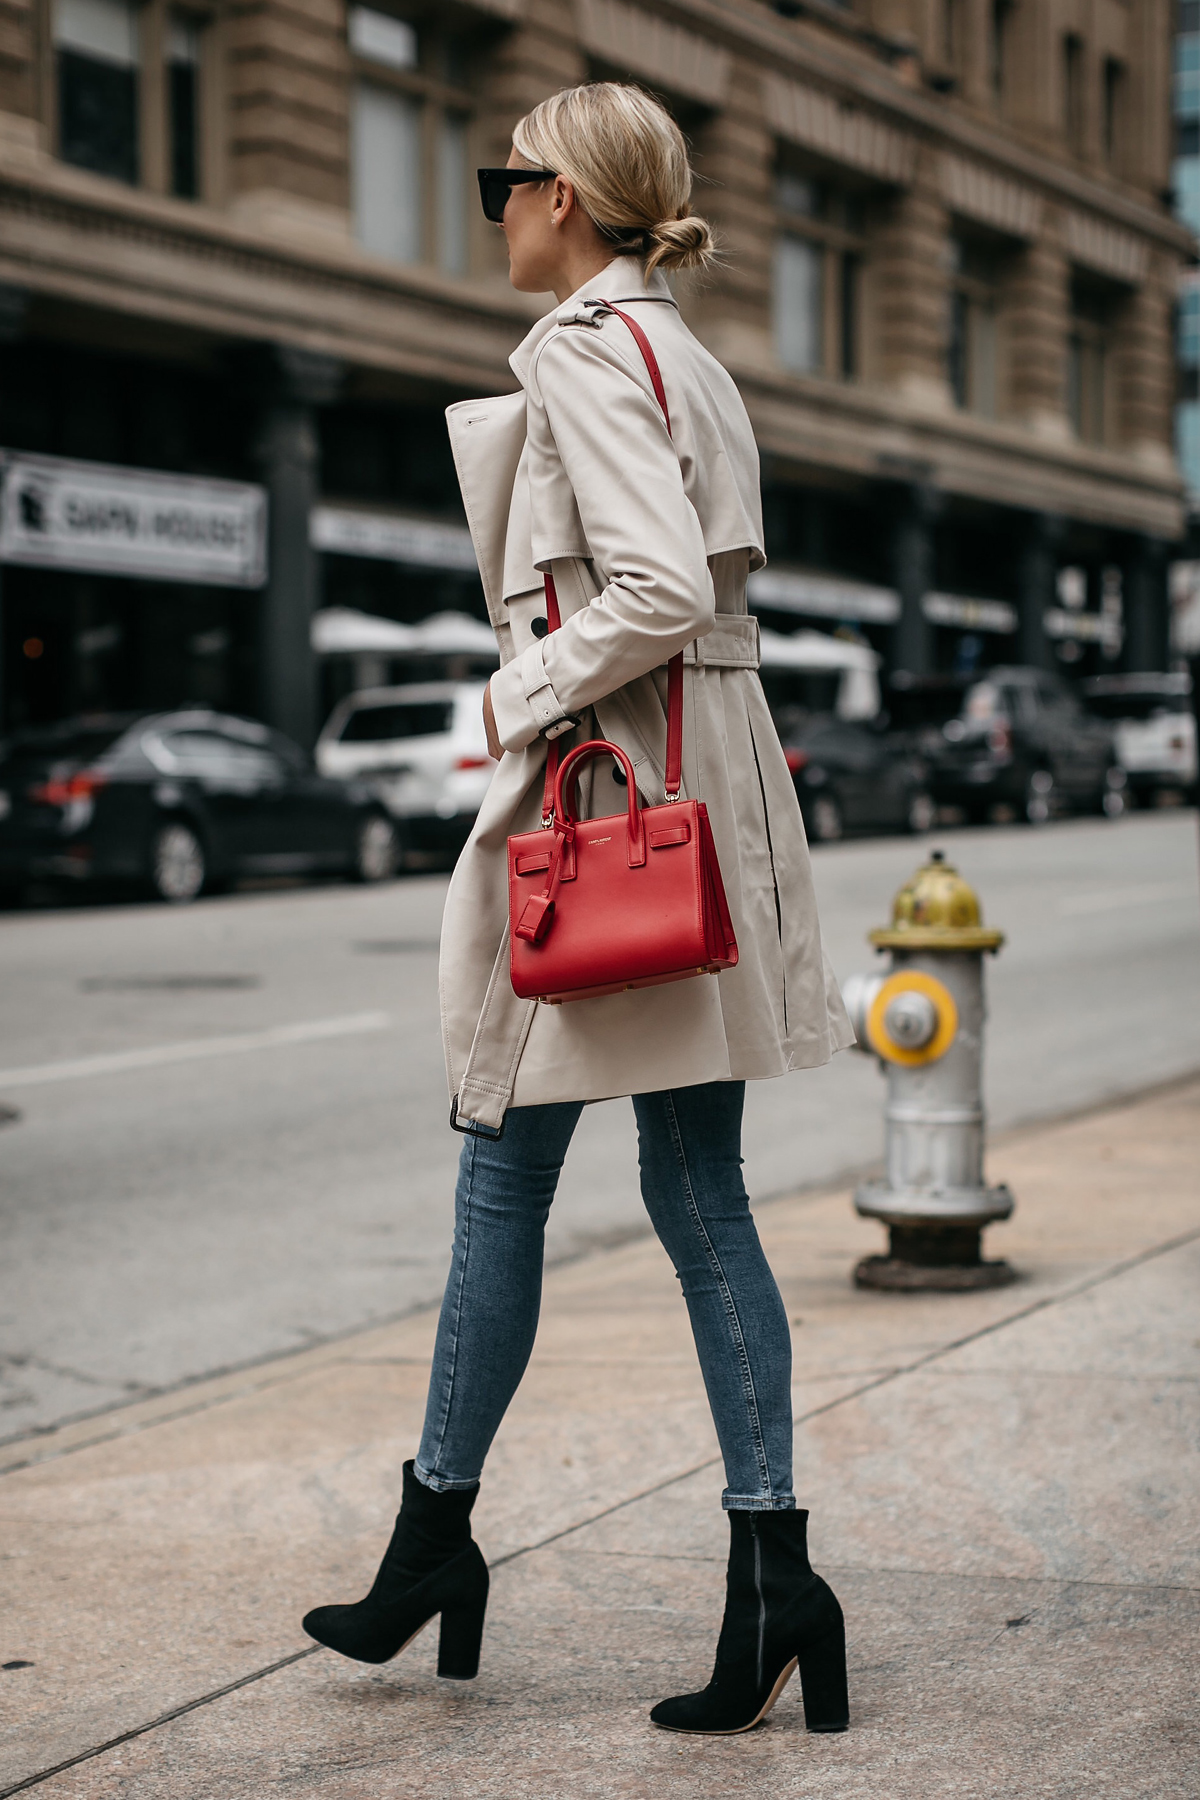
x=199, y=267
x=791, y=47
x=876, y=435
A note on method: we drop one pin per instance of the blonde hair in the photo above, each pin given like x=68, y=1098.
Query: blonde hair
x=627, y=161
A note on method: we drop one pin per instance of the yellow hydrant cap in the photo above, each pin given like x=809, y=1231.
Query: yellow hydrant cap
x=936, y=910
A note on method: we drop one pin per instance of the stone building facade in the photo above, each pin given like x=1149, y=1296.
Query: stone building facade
x=239, y=243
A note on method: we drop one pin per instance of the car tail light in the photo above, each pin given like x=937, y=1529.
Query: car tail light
x=795, y=759
x=472, y=762
x=1000, y=737
x=83, y=786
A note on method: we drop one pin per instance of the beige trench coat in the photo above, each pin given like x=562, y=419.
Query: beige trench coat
x=649, y=537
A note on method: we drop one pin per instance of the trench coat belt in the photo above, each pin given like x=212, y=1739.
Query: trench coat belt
x=488, y=1079
x=731, y=644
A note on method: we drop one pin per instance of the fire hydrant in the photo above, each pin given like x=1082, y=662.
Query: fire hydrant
x=924, y=1021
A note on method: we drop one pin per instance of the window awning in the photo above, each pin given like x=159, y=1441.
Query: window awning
x=822, y=596
x=392, y=537
x=813, y=652
x=342, y=631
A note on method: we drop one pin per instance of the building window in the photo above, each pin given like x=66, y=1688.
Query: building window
x=1072, y=92
x=410, y=142
x=1088, y=362
x=971, y=355
x=96, y=44
x=817, y=277
x=1112, y=120
x=1185, y=171
x=129, y=92
x=999, y=18
x=387, y=173
x=1187, y=412
x=952, y=34
x=452, y=185
x=183, y=105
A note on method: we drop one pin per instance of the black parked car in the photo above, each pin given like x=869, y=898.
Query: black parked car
x=1024, y=747
x=854, y=777
x=179, y=802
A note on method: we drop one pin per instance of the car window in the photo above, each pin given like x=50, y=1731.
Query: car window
x=984, y=701
x=213, y=756
x=382, y=724
x=1020, y=703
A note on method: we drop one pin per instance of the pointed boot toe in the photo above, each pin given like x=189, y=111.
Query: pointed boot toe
x=432, y=1566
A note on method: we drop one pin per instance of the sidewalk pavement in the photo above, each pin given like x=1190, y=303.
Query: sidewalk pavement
x=1005, y=1493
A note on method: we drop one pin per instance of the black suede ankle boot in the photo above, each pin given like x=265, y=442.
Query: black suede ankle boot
x=432, y=1565
x=778, y=1615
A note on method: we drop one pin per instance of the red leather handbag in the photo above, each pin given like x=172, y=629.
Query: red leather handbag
x=597, y=906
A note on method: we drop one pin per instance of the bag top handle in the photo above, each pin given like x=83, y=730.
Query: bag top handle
x=673, y=773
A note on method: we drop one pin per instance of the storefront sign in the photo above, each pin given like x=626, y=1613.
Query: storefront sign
x=116, y=521
x=391, y=537
x=1085, y=627
x=969, y=614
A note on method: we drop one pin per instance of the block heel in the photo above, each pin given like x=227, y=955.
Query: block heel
x=822, y=1665
x=460, y=1639
x=779, y=1616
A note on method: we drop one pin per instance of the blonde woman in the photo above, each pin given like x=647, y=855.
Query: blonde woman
x=644, y=511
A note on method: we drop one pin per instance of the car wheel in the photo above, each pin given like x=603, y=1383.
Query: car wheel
x=1039, y=796
x=376, y=849
x=1114, y=796
x=827, y=822
x=922, y=811
x=178, y=865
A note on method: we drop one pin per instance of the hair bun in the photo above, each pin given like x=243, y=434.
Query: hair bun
x=682, y=243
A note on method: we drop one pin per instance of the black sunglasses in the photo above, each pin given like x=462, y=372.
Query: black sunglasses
x=495, y=185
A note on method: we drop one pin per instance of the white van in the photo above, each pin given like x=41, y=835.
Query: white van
x=422, y=749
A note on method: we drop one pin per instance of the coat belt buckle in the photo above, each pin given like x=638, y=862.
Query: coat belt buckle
x=471, y=1129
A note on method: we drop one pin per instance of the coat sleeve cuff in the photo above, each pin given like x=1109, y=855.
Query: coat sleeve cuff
x=523, y=701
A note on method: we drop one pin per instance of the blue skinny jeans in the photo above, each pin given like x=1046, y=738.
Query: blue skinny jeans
x=689, y=1149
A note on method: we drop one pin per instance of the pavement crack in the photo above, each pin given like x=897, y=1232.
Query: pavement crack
x=176, y=1712
x=1102, y=1276
x=138, y=1390
x=1098, y=1279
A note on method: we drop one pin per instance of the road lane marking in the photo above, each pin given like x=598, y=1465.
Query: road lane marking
x=1146, y=893
x=305, y=1031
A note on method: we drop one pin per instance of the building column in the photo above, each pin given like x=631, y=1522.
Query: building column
x=1146, y=605
x=912, y=295
x=288, y=455
x=912, y=577
x=1037, y=309
x=1037, y=589
x=14, y=304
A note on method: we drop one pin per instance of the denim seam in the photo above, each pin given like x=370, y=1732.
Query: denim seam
x=735, y=1324
x=452, y=1371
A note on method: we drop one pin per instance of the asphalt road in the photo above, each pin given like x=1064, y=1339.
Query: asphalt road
x=232, y=1135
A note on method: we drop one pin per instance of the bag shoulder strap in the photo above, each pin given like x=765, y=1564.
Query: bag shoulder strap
x=673, y=773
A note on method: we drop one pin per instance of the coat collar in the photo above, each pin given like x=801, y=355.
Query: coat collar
x=623, y=280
